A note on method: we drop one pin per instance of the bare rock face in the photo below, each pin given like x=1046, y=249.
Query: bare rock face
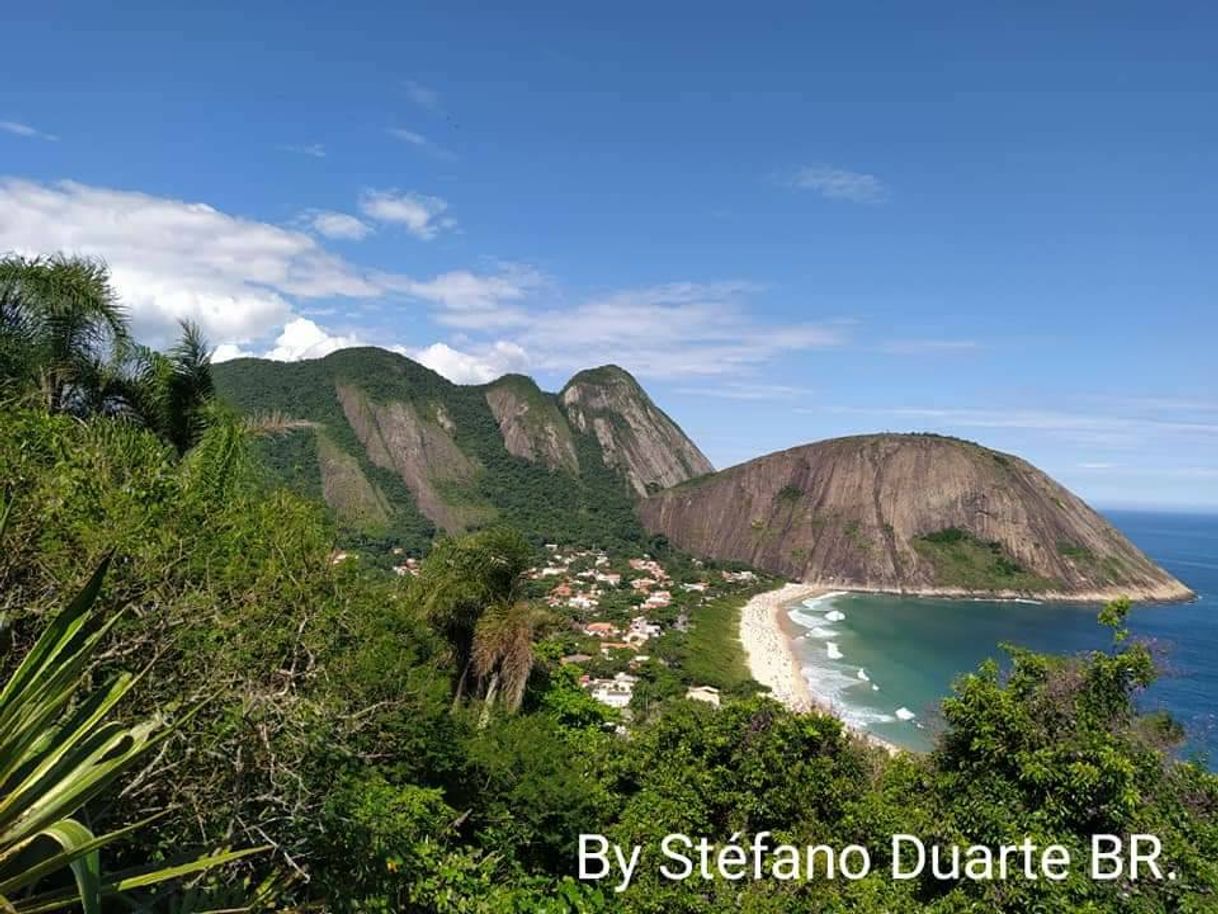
x=421, y=451
x=637, y=439
x=909, y=514
x=531, y=424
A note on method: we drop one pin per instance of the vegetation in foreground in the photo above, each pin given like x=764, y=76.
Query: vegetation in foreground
x=412, y=744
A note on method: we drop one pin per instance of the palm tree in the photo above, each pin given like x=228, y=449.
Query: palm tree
x=503, y=652
x=169, y=392
x=64, y=335
x=461, y=579
x=59, y=316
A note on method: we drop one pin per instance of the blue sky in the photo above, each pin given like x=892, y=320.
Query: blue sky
x=791, y=221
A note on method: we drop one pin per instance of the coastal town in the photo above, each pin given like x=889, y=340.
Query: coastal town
x=624, y=617
x=622, y=610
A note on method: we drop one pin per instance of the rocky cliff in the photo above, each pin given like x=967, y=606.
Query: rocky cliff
x=909, y=514
x=635, y=435
x=399, y=452
x=531, y=423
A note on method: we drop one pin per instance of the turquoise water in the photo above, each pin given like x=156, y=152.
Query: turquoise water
x=886, y=662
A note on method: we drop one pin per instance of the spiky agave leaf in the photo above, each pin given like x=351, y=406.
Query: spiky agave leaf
x=57, y=756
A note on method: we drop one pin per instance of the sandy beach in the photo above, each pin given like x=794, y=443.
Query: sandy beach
x=771, y=660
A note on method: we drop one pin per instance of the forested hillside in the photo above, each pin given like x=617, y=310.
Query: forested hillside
x=398, y=452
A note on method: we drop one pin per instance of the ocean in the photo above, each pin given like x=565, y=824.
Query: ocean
x=886, y=662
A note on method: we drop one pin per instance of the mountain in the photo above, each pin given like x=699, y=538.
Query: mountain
x=911, y=514
x=635, y=436
x=399, y=452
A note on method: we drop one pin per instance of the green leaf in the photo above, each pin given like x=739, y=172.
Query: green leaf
x=75, y=839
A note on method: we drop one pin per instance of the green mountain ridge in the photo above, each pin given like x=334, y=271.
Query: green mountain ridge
x=400, y=453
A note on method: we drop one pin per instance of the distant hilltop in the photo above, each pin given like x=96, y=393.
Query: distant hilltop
x=401, y=454
x=915, y=514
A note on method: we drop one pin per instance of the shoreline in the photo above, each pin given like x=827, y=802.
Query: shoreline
x=772, y=661
x=1137, y=596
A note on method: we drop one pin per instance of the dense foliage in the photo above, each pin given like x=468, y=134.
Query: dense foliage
x=962, y=560
x=331, y=730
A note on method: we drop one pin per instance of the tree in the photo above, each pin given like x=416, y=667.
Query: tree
x=64, y=338
x=461, y=579
x=503, y=651
x=59, y=320
x=169, y=392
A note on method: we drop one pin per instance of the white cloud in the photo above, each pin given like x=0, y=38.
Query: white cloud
x=315, y=150
x=841, y=184
x=333, y=224
x=476, y=301
x=423, y=96
x=25, y=130
x=420, y=215
x=299, y=338
x=472, y=368
x=668, y=331
x=419, y=141
x=172, y=260
x=303, y=339
x=226, y=352
x=245, y=281
x=1110, y=430
x=741, y=390
x=409, y=136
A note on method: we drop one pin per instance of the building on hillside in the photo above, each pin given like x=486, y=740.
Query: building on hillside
x=615, y=692
x=657, y=599
x=739, y=577
x=601, y=629
x=708, y=694
x=640, y=626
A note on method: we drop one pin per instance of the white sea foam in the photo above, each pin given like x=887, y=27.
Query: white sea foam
x=802, y=619
x=864, y=717
x=821, y=632
x=905, y=714
x=832, y=651
x=862, y=674
x=834, y=616
x=874, y=687
x=818, y=603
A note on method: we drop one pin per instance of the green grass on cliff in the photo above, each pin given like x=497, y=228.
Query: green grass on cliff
x=962, y=560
